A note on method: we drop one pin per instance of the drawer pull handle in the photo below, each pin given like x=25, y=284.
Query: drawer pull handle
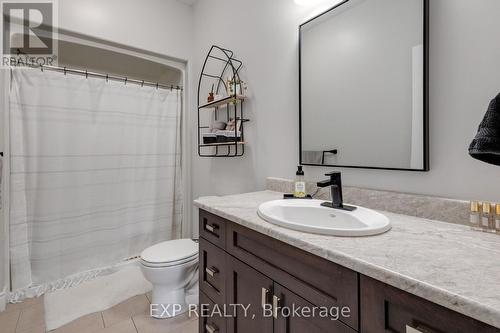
x=264, y=293
x=418, y=329
x=212, y=271
x=211, y=328
x=276, y=303
x=211, y=228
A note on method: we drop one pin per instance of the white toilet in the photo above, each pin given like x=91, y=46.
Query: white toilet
x=170, y=266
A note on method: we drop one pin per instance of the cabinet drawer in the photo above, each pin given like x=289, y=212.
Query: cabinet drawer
x=309, y=323
x=213, y=228
x=319, y=281
x=387, y=309
x=215, y=324
x=212, y=271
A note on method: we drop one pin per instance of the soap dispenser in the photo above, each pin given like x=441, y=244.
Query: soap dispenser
x=300, y=184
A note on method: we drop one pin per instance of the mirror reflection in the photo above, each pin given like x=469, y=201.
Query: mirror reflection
x=363, y=88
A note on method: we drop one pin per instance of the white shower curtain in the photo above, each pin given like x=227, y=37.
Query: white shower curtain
x=95, y=175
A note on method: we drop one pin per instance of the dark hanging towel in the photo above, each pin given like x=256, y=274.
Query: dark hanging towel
x=486, y=145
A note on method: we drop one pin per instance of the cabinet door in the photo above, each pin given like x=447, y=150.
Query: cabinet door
x=247, y=287
x=317, y=280
x=306, y=319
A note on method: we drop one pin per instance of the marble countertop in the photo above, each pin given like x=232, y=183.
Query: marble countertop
x=444, y=263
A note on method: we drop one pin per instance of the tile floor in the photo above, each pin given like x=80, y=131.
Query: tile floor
x=130, y=316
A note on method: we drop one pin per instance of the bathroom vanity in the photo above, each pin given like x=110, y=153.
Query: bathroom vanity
x=245, y=260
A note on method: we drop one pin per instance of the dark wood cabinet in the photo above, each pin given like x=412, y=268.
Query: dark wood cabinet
x=319, y=281
x=249, y=288
x=241, y=267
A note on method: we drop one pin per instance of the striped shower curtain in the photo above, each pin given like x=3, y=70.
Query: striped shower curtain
x=95, y=175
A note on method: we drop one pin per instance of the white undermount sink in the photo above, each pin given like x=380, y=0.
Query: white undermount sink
x=310, y=216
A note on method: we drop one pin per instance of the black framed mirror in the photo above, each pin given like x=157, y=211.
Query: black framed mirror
x=363, y=76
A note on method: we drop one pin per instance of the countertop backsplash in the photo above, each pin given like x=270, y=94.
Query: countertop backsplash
x=428, y=207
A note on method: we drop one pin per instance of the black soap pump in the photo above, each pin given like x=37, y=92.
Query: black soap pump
x=300, y=184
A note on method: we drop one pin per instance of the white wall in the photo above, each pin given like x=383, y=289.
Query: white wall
x=264, y=34
x=162, y=26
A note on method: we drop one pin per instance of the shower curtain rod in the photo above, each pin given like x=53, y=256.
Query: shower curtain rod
x=125, y=79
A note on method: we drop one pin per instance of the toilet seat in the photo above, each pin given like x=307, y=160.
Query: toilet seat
x=170, y=253
x=168, y=263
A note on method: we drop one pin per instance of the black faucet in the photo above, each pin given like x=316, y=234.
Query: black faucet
x=335, y=183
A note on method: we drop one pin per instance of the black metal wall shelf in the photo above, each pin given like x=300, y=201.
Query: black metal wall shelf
x=223, y=101
x=221, y=144
x=227, y=107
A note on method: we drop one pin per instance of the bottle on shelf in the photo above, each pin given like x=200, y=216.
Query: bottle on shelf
x=474, y=214
x=486, y=216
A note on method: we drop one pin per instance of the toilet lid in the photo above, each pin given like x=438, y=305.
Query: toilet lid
x=170, y=251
